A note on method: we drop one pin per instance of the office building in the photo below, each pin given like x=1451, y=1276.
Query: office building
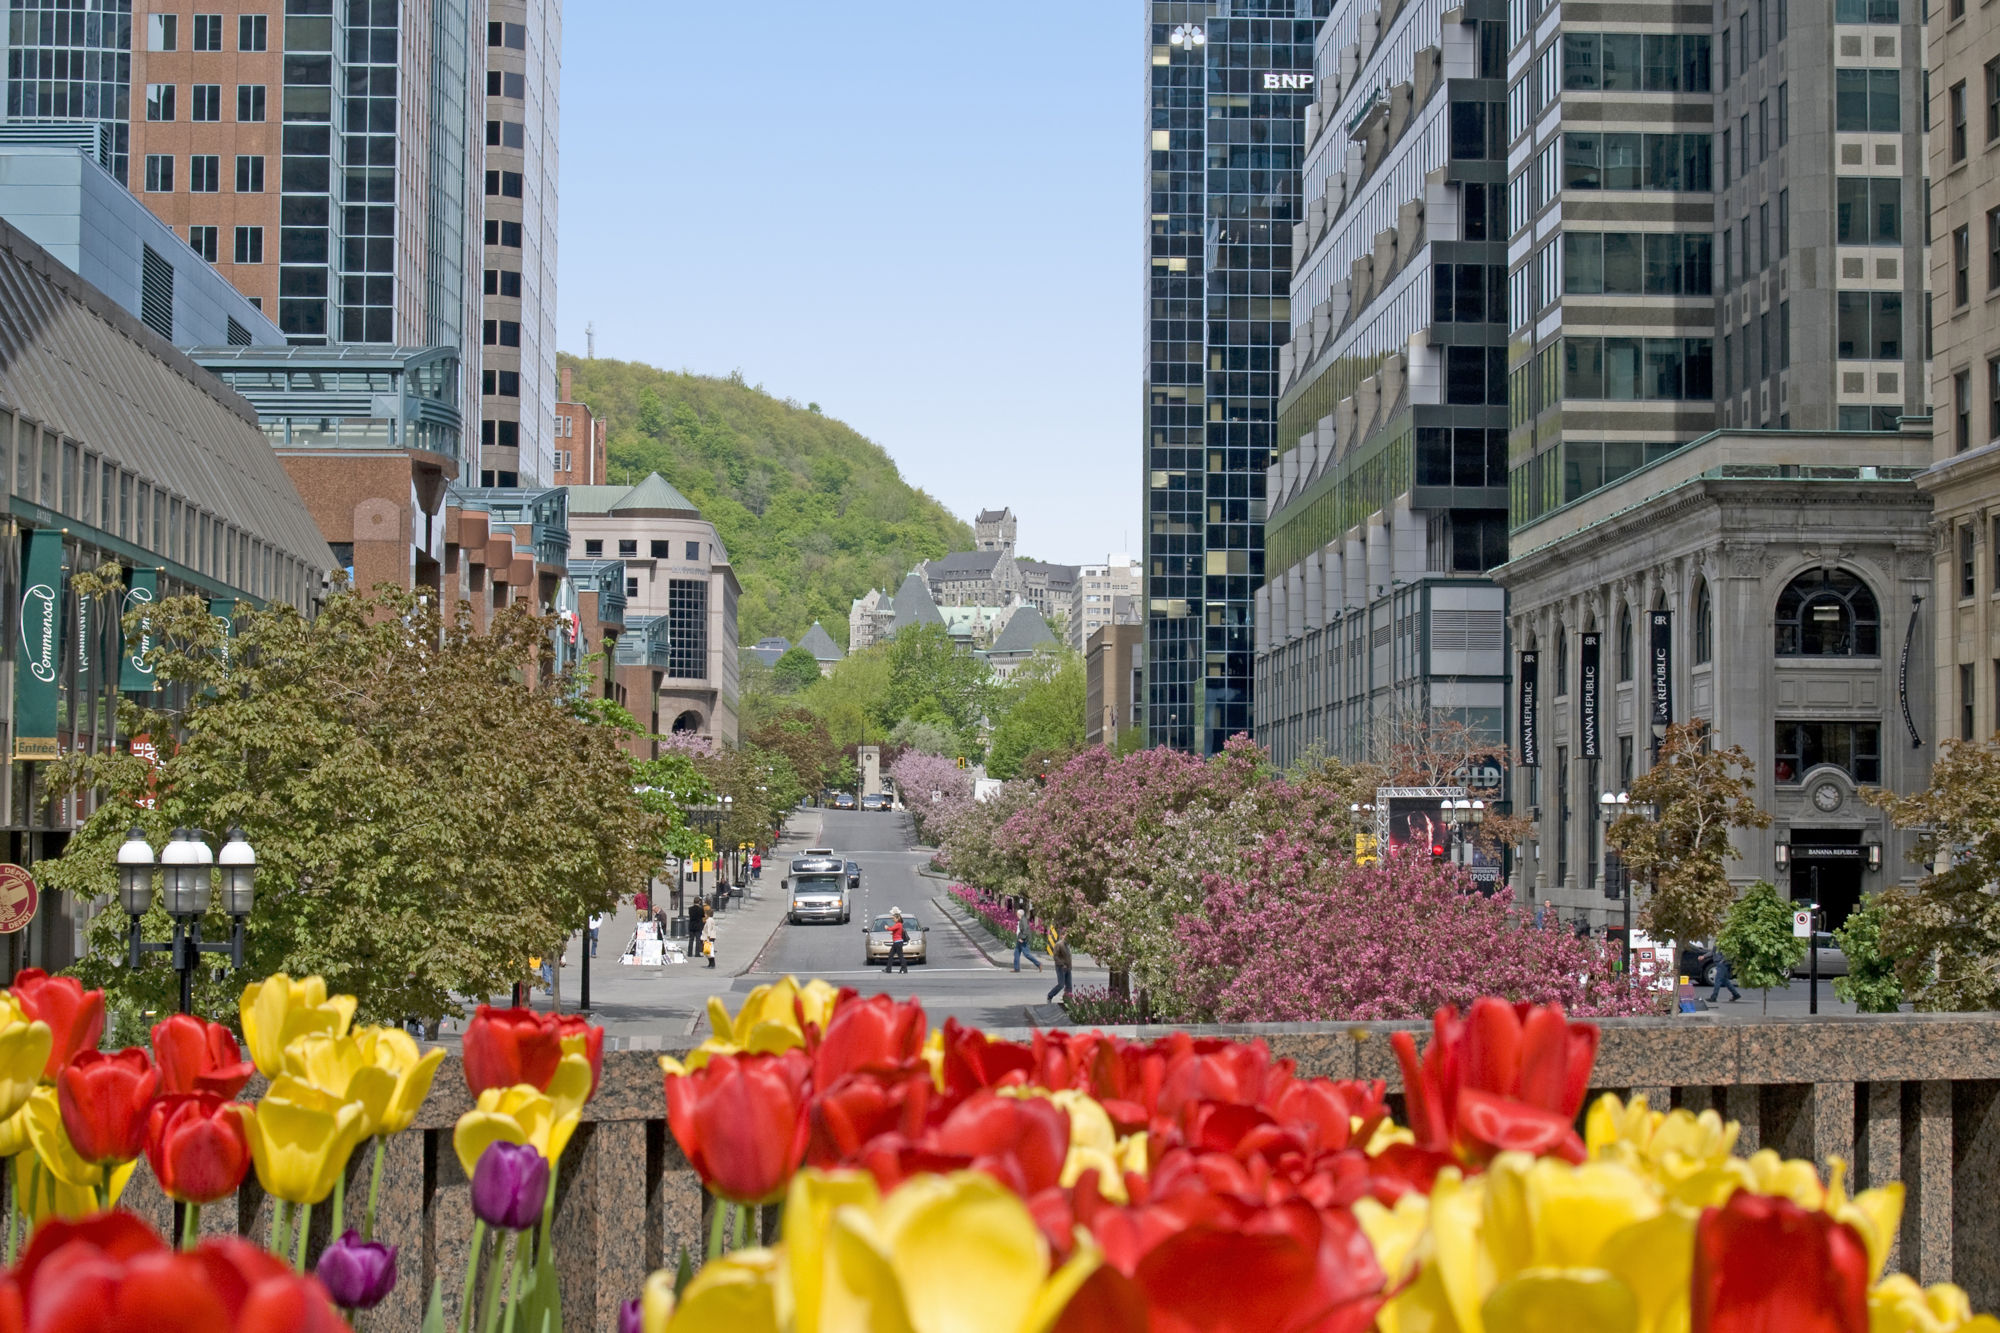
x=1113, y=681
x=1388, y=494
x=679, y=588
x=581, y=452
x=518, y=400
x=1103, y=594
x=1229, y=81
x=1964, y=479
x=71, y=64
x=1764, y=582
x=115, y=448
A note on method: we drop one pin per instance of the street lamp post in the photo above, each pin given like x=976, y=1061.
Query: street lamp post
x=187, y=883
x=1463, y=817
x=1610, y=806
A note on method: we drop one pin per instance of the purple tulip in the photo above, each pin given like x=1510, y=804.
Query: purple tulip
x=628, y=1317
x=358, y=1273
x=510, y=1185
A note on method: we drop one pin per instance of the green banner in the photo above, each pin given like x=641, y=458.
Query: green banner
x=39, y=662
x=223, y=609
x=135, y=674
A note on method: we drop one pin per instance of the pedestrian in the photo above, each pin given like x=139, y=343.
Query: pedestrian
x=695, y=914
x=895, y=941
x=1059, y=954
x=708, y=940
x=642, y=903
x=757, y=866
x=1723, y=977
x=546, y=965
x=1024, y=941
x=596, y=924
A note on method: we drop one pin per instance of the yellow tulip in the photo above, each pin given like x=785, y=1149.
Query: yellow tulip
x=396, y=1051
x=278, y=1011
x=1543, y=1300
x=738, y=1293
x=1876, y=1214
x=53, y=1150
x=1093, y=1141
x=14, y=1133
x=809, y=1209
x=1394, y=1232
x=24, y=1052
x=337, y=1067
x=569, y=1086
x=934, y=1056
x=43, y=1194
x=656, y=1302
x=301, y=1138
x=518, y=1115
x=1899, y=1305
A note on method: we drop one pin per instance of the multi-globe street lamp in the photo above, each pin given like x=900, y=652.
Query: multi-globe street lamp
x=187, y=888
x=1188, y=35
x=1463, y=817
x=1610, y=806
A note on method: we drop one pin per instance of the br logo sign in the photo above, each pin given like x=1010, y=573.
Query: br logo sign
x=18, y=898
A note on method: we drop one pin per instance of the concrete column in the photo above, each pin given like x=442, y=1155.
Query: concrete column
x=1261, y=610
x=1295, y=603
x=1314, y=605
x=1356, y=564
x=1334, y=593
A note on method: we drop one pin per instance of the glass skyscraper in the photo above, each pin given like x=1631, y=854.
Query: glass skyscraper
x=71, y=60
x=1229, y=83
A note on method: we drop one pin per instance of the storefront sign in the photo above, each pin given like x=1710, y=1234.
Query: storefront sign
x=41, y=646
x=1531, y=750
x=18, y=898
x=1285, y=81
x=1586, y=703
x=135, y=673
x=1662, y=623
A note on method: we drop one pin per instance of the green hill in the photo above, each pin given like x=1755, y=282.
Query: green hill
x=813, y=513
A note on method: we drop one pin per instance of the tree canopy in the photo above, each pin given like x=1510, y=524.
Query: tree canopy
x=813, y=513
x=1945, y=932
x=1040, y=710
x=795, y=670
x=1699, y=792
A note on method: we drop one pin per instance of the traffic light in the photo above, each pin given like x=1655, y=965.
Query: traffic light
x=961, y=761
x=1437, y=852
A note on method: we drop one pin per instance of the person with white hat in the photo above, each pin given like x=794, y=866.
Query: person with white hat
x=895, y=941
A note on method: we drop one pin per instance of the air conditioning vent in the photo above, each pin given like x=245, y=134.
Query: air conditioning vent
x=156, y=292
x=1467, y=631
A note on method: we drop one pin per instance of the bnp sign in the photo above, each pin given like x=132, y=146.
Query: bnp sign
x=40, y=657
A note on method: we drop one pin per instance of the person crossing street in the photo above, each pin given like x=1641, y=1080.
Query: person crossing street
x=895, y=942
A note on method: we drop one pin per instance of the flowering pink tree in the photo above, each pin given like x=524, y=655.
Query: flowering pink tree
x=1304, y=936
x=933, y=787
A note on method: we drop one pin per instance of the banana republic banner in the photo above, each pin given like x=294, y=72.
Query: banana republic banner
x=1662, y=670
x=135, y=675
x=1531, y=745
x=39, y=658
x=1586, y=703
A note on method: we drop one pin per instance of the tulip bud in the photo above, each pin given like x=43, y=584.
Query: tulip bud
x=510, y=1186
x=628, y=1317
x=359, y=1274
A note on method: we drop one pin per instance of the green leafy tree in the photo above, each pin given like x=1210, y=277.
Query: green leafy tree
x=794, y=671
x=932, y=680
x=1870, y=984
x=850, y=699
x=1757, y=939
x=429, y=803
x=927, y=737
x=1040, y=712
x=1699, y=792
x=1944, y=933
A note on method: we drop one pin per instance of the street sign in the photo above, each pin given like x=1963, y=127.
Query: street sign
x=18, y=898
x=1802, y=924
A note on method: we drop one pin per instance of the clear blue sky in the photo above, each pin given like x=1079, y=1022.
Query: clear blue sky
x=924, y=215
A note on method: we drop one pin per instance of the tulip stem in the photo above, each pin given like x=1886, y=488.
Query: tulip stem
x=190, y=1225
x=339, y=1202
x=471, y=1274
x=13, y=1206
x=743, y=1211
x=374, y=1188
x=514, y=1280
x=716, y=1226
x=278, y=1207
x=305, y=1227
x=489, y=1308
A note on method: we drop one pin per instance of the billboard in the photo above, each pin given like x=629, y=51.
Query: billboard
x=1411, y=820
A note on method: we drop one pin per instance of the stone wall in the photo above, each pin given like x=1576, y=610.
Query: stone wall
x=1914, y=1098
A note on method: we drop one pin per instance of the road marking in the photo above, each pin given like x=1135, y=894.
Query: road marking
x=924, y=969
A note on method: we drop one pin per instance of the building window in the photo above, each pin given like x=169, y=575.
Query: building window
x=159, y=101
x=504, y=134
x=1961, y=264
x=162, y=32
x=249, y=245
x=1636, y=162
x=1966, y=727
x=207, y=99
x=631, y=590
x=1704, y=625
x=507, y=235
x=499, y=84
x=1851, y=746
x=694, y=550
x=1869, y=326
x=208, y=32
x=1784, y=117
x=512, y=36
x=503, y=184
x=1994, y=532
x=687, y=628
x=1961, y=392
x=204, y=173
x=250, y=103
x=1624, y=643
x=1957, y=96
x=1993, y=398
x=1562, y=813
x=502, y=282
x=1968, y=571
x=594, y=547
x=252, y=32
x=663, y=550
x=1828, y=612
x=1992, y=100
x=628, y=550
x=1561, y=682
x=249, y=174
x=202, y=241
x=1635, y=369
x=501, y=333
x=159, y=173
x=1867, y=101
x=500, y=383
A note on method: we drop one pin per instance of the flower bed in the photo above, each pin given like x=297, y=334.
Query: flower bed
x=1000, y=920
x=936, y=1179
x=1097, y=1004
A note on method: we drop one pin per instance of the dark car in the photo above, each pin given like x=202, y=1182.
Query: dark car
x=843, y=800
x=853, y=875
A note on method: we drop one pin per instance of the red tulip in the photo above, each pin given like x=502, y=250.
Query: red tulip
x=111, y=1271
x=196, y=1055
x=75, y=1016
x=973, y=1060
x=865, y=1105
x=741, y=1120
x=103, y=1098
x=1763, y=1264
x=1030, y=1132
x=579, y=1036
x=504, y=1047
x=197, y=1146
x=1505, y=1077
x=872, y=1033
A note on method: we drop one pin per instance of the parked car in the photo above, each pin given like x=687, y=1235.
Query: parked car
x=843, y=800
x=1832, y=962
x=853, y=874
x=877, y=801
x=876, y=933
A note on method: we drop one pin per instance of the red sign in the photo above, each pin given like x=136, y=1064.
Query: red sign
x=18, y=898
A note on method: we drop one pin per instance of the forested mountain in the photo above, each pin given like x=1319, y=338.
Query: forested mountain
x=813, y=513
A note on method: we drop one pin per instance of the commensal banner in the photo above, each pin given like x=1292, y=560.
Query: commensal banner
x=135, y=674
x=41, y=649
x=1531, y=746
x=223, y=609
x=1662, y=668
x=1586, y=704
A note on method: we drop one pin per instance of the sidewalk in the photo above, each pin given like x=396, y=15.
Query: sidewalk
x=1084, y=969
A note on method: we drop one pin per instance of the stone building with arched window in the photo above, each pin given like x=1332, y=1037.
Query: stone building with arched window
x=1765, y=582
